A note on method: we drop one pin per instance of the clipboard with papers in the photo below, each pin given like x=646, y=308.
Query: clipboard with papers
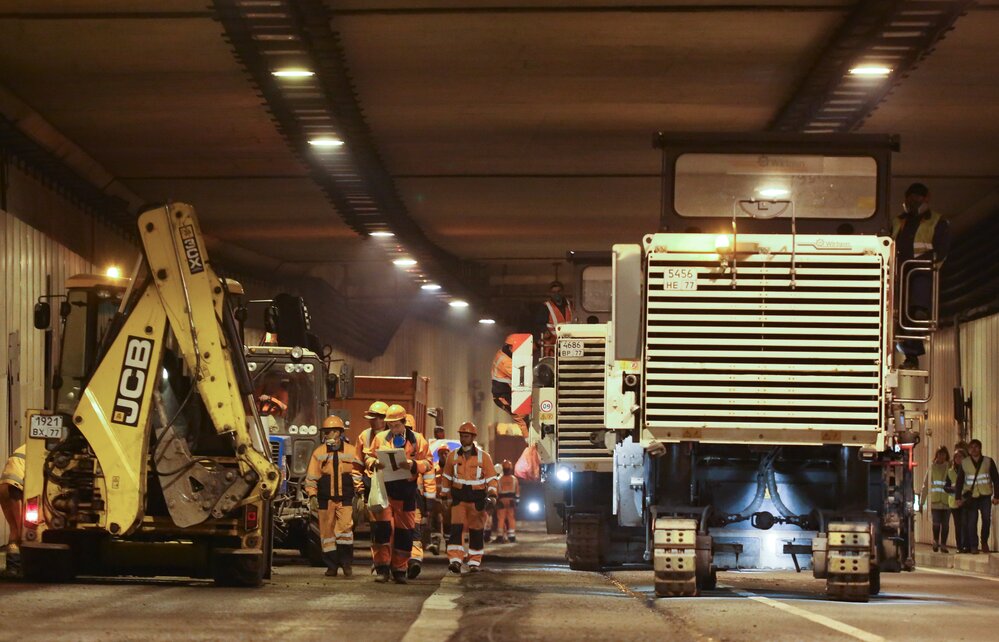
x=396, y=466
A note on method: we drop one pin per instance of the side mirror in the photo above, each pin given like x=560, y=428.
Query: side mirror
x=347, y=381
x=42, y=315
x=64, y=309
x=241, y=314
x=331, y=383
x=271, y=319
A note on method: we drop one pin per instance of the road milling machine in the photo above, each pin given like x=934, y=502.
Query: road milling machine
x=153, y=460
x=755, y=412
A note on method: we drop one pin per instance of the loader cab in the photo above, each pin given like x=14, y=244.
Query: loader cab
x=289, y=386
x=85, y=315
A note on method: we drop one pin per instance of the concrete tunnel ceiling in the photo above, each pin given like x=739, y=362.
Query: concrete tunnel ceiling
x=513, y=132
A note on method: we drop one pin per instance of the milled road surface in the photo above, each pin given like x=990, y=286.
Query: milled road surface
x=527, y=592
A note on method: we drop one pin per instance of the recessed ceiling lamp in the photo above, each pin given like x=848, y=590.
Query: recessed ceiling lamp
x=325, y=141
x=405, y=262
x=773, y=192
x=870, y=71
x=458, y=303
x=382, y=234
x=293, y=72
x=487, y=321
x=430, y=287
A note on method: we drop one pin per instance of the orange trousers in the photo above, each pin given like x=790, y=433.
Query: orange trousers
x=506, y=518
x=465, y=516
x=392, y=535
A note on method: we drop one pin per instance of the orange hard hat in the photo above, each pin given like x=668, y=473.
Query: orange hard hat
x=410, y=421
x=376, y=410
x=395, y=412
x=468, y=428
x=507, y=463
x=333, y=423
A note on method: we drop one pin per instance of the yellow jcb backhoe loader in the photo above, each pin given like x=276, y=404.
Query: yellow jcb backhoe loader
x=162, y=468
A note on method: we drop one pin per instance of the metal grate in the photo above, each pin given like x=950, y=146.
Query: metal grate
x=765, y=361
x=579, y=389
x=276, y=448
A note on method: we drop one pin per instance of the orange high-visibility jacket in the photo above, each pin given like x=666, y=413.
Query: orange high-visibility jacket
x=416, y=447
x=427, y=483
x=556, y=317
x=333, y=474
x=473, y=471
x=363, y=447
x=509, y=487
x=502, y=367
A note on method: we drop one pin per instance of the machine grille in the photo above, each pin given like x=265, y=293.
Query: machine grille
x=580, y=399
x=276, y=451
x=765, y=361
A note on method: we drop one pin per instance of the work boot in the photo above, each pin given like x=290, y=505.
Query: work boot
x=474, y=569
x=347, y=571
x=488, y=536
x=512, y=539
x=944, y=549
x=331, y=572
x=985, y=549
x=935, y=548
x=454, y=567
x=500, y=540
x=413, y=572
x=382, y=574
x=434, y=549
x=399, y=577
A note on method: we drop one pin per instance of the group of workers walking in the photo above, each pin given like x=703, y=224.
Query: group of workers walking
x=344, y=478
x=964, y=491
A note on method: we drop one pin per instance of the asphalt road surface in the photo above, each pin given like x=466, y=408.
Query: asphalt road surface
x=527, y=592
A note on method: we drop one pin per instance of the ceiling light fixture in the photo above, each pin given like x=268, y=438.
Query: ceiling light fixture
x=430, y=287
x=293, y=73
x=405, y=262
x=382, y=234
x=773, y=192
x=870, y=71
x=487, y=321
x=325, y=141
x=458, y=303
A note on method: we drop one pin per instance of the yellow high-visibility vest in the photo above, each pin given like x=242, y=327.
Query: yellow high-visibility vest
x=978, y=481
x=922, y=243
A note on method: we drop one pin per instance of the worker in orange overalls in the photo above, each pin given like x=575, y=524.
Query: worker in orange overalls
x=392, y=528
x=426, y=486
x=556, y=310
x=334, y=475
x=470, y=482
x=502, y=373
x=12, y=504
x=440, y=515
x=506, y=510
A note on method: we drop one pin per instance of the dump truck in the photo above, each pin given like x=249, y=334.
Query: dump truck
x=755, y=415
x=153, y=461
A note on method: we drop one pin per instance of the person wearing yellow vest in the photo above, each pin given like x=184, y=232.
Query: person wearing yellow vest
x=934, y=494
x=957, y=512
x=506, y=511
x=392, y=529
x=919, y=233
x=334, y=475
x=470, y=482
x=556, y=310
x=12, y=504
x=426, y=495
x=978, y=489
x=502, y=373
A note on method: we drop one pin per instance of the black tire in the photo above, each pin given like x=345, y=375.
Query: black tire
x=708, y=581
x=240, y=570
x=47, y=565
x=312, y=546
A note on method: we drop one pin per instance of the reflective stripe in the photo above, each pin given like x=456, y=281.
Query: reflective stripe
x=431, y=495
x=346, y=539
x=470, y=482
x=453, y=547
x=448, y=477
x=479, y=552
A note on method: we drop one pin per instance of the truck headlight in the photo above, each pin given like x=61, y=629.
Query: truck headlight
x=563, y=474
x=534, y=508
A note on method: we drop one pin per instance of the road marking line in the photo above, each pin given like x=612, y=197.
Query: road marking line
x=955, y=573
x=439, y=616
x=828, y=622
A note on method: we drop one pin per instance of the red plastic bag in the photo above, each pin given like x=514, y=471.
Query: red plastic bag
x=528, y=466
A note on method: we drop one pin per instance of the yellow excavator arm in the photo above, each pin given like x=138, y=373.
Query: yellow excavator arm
x=176, y=300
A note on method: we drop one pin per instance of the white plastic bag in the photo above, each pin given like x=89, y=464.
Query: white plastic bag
x=378, y=499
